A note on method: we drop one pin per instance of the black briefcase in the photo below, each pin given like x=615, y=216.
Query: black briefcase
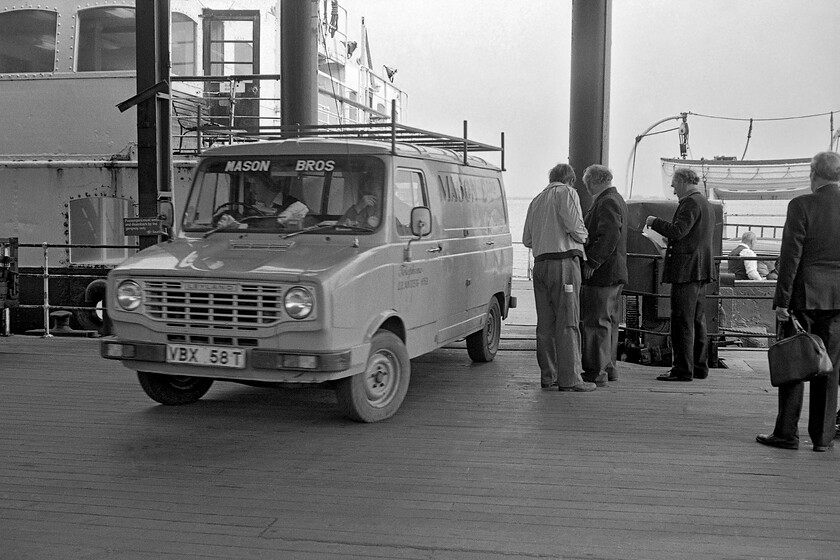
x=800, y=357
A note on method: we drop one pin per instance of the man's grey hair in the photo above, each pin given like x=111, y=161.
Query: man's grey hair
x=748, y=238
x=826, y=165
x=598, y=174
x=686, y=175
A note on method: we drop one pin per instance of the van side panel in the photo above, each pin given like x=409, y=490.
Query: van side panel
x=478, y=243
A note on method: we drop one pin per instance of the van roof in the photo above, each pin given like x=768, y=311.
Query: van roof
x=312, y=146
x=373, y=139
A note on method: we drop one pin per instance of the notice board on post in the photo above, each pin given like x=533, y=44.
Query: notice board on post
x=142, y=226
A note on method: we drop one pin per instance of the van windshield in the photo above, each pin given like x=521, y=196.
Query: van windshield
x=286, y=194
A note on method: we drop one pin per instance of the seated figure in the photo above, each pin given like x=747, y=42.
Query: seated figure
x=269, y=200
x=365, y=212
x=744, y=269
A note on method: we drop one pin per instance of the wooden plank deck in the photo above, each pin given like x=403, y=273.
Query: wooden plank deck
x=480, y=463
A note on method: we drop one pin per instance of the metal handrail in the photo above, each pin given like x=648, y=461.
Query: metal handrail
x=46, y=277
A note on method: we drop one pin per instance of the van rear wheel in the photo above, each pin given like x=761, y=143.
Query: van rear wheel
x=483, y=345
x=173, y=389
x=378, y=392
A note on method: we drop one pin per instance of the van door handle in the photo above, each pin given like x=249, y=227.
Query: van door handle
x=437, y=249
x=491, y=242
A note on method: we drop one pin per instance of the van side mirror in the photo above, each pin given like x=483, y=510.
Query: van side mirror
x=421, y=226
x=421, y=221
x=166, y=213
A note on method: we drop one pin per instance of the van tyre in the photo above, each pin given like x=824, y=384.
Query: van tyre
x=483, y=345
x=174, y=389
x=378, y=392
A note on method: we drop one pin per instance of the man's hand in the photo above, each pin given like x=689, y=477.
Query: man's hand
x=649, y=220
x=367, y=200
x=782, y=314
x=226, y=221
x=587, y=271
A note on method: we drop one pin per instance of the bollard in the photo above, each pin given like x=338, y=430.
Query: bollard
x=62, y=321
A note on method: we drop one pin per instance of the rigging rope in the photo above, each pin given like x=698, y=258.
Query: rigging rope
x=749, y=135
x=814, y=115
x=338, y=108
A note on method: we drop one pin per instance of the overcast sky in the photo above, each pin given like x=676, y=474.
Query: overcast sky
x=504, y=65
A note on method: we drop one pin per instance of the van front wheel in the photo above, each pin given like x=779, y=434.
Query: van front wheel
x=378, y=392
x=483, y=345
x=173, y=389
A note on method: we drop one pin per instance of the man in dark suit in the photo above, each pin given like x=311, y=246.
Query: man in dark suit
x=807, y=287
x=689, y=265
x=604, y=275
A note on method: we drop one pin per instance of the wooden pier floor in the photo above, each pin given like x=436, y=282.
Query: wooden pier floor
x=479, y=463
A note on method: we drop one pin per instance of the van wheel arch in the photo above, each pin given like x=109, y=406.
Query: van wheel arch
x=483, y=344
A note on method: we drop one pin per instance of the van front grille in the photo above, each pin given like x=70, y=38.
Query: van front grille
x=213, y=304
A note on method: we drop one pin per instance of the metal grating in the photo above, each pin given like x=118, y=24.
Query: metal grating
x=222, y=305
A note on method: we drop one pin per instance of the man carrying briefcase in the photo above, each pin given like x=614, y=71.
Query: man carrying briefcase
x=807, y=286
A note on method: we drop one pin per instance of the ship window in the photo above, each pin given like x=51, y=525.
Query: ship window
x=231, y=42
x=183, y=45
x=98, y=220
x=106, y=40
x=27, y=41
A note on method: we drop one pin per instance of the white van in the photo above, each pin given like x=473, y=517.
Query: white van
x=319, y=259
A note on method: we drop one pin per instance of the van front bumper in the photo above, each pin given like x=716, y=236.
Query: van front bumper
x=262, y=364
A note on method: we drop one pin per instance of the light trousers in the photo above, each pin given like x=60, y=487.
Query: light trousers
x=556, y=294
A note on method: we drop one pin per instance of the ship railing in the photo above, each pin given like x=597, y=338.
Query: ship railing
x=209, y=110
x=96, y=272
x=762, y=231
x=754, y=292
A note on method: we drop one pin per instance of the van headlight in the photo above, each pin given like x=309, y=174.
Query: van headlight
x=129, y=295
x=298, y=302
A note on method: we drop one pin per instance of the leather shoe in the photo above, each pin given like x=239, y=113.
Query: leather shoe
x=669, y=377
x=773, y=441
x=548, y=385
x=701, y=375
x=822, y=448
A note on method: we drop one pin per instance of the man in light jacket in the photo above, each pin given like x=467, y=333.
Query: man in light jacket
x=555, y=233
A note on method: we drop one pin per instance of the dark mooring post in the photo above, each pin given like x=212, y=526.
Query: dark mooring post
x=299, y=62
x=590, y=94
x=153, y=150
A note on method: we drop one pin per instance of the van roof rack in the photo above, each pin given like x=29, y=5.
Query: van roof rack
x=387, y=132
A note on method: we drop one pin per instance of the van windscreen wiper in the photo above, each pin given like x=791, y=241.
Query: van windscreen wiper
x=327, y=224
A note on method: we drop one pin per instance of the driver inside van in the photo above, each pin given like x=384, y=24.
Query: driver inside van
x=269, y=199
x=365, y=212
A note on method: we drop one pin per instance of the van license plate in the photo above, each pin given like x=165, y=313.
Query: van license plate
x=215, y=356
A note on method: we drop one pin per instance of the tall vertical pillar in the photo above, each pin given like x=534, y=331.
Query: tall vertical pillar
x=299, y=62
x=153, y=135
x=590, y=94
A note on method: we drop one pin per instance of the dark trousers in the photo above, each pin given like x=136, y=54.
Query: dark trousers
x=823, y=399
x=600, y=315
x=688, y=330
